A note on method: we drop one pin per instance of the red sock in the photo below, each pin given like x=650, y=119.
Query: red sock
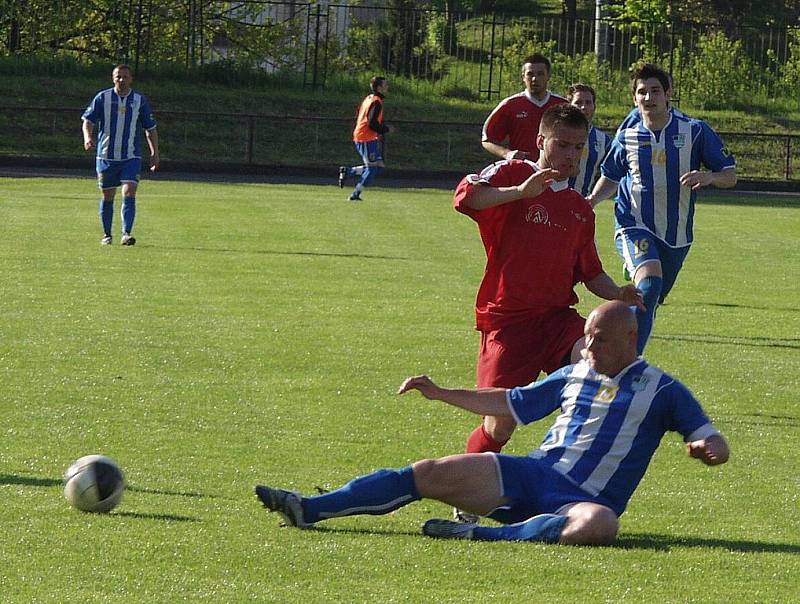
x=479, y=441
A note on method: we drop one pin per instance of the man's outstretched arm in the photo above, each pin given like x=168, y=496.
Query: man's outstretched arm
x=484, y=401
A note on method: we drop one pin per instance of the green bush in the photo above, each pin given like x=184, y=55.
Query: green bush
x=718, y=72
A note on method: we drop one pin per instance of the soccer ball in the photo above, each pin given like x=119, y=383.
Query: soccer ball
x=94, y=483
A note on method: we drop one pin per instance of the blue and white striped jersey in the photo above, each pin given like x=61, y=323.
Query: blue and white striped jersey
x=119, y=123
x=608, y=428
x=648, y=166
x=597, y=145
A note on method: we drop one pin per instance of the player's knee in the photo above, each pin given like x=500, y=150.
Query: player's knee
x=590, y=524
x=425, y=474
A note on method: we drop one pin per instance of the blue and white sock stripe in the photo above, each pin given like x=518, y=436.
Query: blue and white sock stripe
x=376, y=509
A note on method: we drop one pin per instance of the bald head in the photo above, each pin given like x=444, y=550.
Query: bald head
x=610, y=333
x=615, y=314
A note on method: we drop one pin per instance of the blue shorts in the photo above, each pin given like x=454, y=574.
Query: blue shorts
x=639, y=246
x=371, y=152
x=111, y=174
x=535, y=488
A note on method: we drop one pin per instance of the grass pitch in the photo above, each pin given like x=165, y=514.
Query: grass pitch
x=257, y=333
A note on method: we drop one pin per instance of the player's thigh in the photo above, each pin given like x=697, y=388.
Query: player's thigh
x=531, y=488
x=371, y=153
x=509, y=357
x=515, y=355
x=108, y=176
x=560, y=330
x=465, y=474
x=640, y=252
x=129, y=176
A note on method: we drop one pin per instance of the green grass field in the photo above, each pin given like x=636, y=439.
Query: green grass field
x=257, y=333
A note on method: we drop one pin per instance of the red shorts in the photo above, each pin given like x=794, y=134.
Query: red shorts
x=516, y=354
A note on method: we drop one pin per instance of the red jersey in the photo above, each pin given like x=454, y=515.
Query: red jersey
x=537, y=248
x=517, y=119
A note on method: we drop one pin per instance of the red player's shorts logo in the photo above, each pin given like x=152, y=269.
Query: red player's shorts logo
x=537, y=214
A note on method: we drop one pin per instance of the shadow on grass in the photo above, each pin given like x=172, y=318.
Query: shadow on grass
x=359, y=531
x=166, y=517
x=33, y=481
x=649, y=541
x=279, y=253
x=761, y=419
x=752, y=341
x=166, y=492
x=658, y=542
x=694, y=304
x=30, y=481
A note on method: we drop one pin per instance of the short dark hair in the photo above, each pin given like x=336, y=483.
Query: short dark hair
x=646, y=71
x=578, y=87
x=376, y=82
x=537, y=58
x=121, y=66
x=562, y=114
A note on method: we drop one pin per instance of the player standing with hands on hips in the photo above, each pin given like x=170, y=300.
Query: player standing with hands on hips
x=654, y=167
x=120, y=114
x=368, y=138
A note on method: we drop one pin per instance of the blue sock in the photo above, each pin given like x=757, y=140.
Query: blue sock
x=544, y=527
x=651, y=291
x=378, y=493
x=128, y=214
x=106, y=215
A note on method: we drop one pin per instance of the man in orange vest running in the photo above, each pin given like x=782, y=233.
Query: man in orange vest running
x=368, y=138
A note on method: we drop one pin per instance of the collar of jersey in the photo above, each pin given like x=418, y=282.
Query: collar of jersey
x=536, y=101
x=616, y=379
x=654, y=132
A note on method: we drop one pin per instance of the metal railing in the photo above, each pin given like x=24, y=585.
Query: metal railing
x=269, y=139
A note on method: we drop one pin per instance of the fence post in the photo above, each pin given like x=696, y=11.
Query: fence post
x=251, y=138
x=788, y=156
x=316, y=48
x=491, y=55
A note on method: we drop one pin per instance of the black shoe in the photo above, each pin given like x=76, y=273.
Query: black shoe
x=448, y=529
x=355, y=196
x=127, y=240
x=286, y=503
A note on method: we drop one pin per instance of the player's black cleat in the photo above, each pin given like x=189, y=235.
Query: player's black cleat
x=127, y=240
x=286, y=503
x=355, y=196
x=448, y=529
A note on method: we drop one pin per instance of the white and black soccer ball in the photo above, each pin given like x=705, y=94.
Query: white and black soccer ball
x=94, y=483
